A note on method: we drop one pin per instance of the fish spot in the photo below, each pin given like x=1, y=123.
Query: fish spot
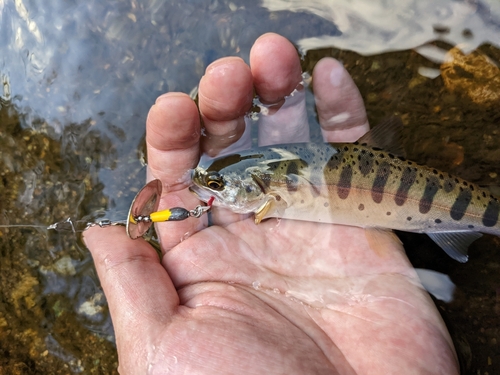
x=361, y=207
x=408, y=218
x=460, y=205
x=388, y=213
x=344, y=184
x=438, y=221
x=470, y=226
x=430, y=190
x=302, y=201
x=490, y=216
x=381, y=177
x=326, y=204
x=278, y=198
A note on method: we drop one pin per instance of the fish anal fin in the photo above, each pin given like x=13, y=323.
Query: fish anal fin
x=455, y=244
x=388, y=135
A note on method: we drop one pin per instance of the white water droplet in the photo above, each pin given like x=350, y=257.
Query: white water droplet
x=256, y=285
x=185, y=236
x=278, y=221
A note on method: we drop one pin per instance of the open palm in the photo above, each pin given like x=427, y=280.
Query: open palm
x=281, y=297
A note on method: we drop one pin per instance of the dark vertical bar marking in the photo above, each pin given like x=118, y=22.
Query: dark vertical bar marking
x=334, y=161
x=292, y=168
x=431, y=188
x=407, y=180
x=344, y=184
x=381, y=178
x=449, y=185
x=366, y=160
x=490, y=216
x=332, y=165
x=460, y=205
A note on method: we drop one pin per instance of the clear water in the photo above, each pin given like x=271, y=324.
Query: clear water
x=78, y=79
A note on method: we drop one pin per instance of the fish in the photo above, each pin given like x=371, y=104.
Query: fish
x=366, y=184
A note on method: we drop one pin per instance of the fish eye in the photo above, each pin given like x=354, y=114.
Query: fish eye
x=214, y=181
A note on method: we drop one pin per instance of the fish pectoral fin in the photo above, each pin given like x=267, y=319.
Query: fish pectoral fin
x=270, y=208
x=261, y=212
x=455, y=244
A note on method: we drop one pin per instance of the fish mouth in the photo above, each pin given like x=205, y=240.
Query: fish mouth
x=201, y=193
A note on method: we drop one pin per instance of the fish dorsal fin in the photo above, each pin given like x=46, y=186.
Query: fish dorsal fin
x=455, y=244
x=388, y=135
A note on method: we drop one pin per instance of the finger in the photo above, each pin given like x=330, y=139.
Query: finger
x=172, y=138
x=225, y=96
x=275, y=67
x=140, y=294
x=341, y=111
x=276, y=70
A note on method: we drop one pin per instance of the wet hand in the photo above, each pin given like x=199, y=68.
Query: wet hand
x=281, y=297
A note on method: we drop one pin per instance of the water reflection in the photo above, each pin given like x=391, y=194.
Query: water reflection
x=377, y=27
x=48, y=282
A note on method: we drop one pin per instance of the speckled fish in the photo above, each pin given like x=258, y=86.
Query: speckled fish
x=363, y=184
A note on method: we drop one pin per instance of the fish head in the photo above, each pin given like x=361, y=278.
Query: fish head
x=233, y=181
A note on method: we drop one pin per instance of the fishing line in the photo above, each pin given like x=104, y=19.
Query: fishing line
x=142, y=214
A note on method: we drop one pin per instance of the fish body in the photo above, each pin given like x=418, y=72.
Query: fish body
x=351, y=184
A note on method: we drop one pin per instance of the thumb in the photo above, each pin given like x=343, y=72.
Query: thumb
x=140, y=293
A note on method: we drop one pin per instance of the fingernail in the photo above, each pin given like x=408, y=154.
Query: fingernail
x=337, y=75
x=168, y=95
x=221, y=66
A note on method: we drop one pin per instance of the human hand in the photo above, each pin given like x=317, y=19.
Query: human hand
x=281, y=297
